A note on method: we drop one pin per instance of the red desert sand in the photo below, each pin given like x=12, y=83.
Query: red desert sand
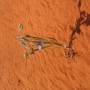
x=68, y=21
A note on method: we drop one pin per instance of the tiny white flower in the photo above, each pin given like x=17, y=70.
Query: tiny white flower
x=39, y=47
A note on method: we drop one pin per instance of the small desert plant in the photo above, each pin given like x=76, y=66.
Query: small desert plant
x=33, y=44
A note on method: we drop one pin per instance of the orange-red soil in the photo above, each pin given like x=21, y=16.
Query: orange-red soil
x=47, y=69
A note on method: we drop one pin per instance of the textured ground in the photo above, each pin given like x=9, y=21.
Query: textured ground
x=47, y=69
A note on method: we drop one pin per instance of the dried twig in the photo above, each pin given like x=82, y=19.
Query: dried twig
x=81, y=20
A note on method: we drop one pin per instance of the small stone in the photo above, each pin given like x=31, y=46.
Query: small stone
x=20, y=26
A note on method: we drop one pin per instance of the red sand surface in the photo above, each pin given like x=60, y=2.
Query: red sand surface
x=47, y=69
